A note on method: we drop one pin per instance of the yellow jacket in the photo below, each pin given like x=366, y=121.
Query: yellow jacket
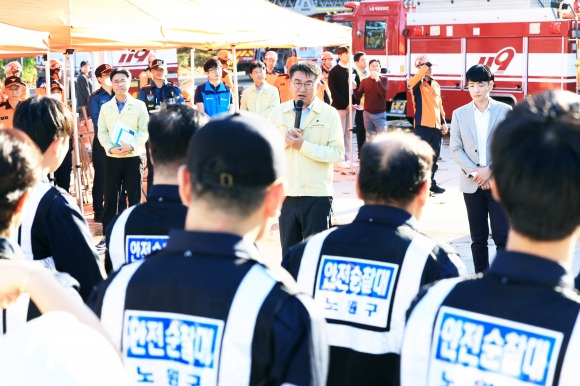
x=134, y=115
x=260, y=103
x=309, y=170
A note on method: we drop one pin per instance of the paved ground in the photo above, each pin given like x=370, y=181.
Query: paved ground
x=444, y=217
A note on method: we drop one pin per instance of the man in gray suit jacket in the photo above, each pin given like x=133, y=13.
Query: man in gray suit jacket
x=472, y=127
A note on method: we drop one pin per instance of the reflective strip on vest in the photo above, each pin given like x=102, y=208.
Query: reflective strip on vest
x=569, y=371
x=113, y=307
x=28, y=215
x=306, y=278
x=418, y=334
x=236, y=354
x=408, y=285
x=117, y=240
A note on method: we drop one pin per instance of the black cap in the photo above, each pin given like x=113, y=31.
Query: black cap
x=239, y=150
x=158, y=63
x=103, y=69
x=13, y=80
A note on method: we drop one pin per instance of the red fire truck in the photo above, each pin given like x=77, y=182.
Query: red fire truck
x=529, y=46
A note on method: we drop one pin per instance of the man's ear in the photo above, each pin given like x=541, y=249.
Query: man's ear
x=274, y=198
x=423, y=193
x=357, y=189
x=184, y=181
x=494, y=191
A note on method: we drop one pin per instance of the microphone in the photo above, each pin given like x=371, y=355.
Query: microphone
x=299, y=105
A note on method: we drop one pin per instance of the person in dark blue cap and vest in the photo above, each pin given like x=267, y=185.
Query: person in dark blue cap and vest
x=208, y=308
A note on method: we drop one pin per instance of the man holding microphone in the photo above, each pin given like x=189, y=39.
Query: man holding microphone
x=313, y=141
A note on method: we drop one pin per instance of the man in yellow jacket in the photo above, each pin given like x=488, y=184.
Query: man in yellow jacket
x=122, y=133
x=311, y=148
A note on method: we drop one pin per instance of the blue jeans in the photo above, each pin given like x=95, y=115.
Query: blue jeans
x=375, y=123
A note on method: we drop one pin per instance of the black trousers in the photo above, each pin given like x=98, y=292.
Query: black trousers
x=361, y=133
x=149, y=167
x=99, y=156
x=434, y=138
x=98, y=191
x=301, y=217
x=121, y=172
x=479, y=206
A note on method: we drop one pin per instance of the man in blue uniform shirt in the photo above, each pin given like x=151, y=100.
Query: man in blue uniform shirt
x=365, y=274
x=518, y=322
x=208, y=308
x=53, y=230
x=144, y=228
x=96, y=100
x=160, y=90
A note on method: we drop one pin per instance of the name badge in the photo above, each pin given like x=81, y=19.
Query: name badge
x=171, y=349
x=137, y=247
x=355, y=290
x=475, y=349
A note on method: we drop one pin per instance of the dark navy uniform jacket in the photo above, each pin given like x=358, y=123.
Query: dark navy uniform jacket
x=153, y=96
x=144, y=228
x=54, y=231
x=515, y=324
x=365, y=275
x=206, y=310
x=96, y=100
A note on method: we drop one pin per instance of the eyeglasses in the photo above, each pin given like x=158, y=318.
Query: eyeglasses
x=120, y=82
x=307, y=85
x=215, y=69
x=14, y=88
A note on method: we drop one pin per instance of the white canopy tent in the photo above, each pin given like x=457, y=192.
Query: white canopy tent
x=88, y=25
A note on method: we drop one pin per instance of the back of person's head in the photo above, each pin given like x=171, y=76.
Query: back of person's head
x=536, y=165
x=256, y=64
x=479, y=73
x=393, y=167
x=307, y=67
x=356, y=57
x=233, y=160
x=170, y=130
x=211, y=63
x=44, y=120
x=19, y=170
x=341, y=50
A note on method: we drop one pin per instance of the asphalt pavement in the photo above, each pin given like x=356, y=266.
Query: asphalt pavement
x=444, y=216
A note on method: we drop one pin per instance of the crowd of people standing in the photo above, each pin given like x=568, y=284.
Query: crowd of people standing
x=185, y=297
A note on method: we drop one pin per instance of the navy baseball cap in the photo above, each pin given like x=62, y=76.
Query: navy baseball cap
x=103, y=69
x=13, y=80
x=239, y=150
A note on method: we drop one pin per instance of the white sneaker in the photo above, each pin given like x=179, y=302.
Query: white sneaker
x=102, y=245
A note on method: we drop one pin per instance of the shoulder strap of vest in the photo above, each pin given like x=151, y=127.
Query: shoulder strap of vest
x=309, y=263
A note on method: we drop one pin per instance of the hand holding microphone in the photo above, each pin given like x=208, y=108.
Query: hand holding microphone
x=299, y=106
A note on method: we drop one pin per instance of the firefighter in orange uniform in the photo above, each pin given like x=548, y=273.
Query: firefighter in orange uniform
x=276, y=78
x=12, y=88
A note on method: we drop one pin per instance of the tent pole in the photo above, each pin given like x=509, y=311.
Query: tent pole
x=192, y=61
x=235, y=80
x=349, y=113
x=76, y=153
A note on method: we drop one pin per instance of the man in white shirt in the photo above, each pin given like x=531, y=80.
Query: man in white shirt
x=261, y=97
x=472, y=127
